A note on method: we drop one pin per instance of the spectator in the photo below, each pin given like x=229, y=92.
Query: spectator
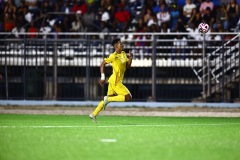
x=46, y=7
x=141, y=41
x=197, y=3
x=164, y=40
x=57, y=28
x=121, y=19
x=17, y=2
x=10, y=8
x=76, y=25
x=66, y=8
x=9, y=22
x=45, y=28
x=20, y=8
x=204, y=5
x=175, y=14
x=80, y=7
x=32, y=6
x=163, y=16
x=31, y=30
x=135, y=12
x=105, y=16
x=194, y=34
x=56, y=7
x=188, y=11
x=157, y=7
x=147, y=15
x=140, y=25
x=221, y=18
x=135, y=8
x=104, y=29
x=233, y=13
x=208, y=17
x=148, y=4
x=89, y=20
x=27, y=15
x=180, y=26
x=195, y=19
x=108, y=6
x=18, y=30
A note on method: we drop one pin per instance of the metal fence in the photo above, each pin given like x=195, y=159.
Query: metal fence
x=166, y=66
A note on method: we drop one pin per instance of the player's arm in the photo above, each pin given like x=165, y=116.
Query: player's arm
x=130, y=57
x=102, y=69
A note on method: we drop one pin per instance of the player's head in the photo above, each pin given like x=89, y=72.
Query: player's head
x=117, y=44
x=115, y=41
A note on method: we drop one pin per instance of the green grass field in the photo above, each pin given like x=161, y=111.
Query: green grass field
x=68, y=137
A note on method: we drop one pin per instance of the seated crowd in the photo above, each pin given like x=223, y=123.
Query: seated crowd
x=20, y=16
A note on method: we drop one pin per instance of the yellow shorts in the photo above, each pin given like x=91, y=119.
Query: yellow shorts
x=118, y=89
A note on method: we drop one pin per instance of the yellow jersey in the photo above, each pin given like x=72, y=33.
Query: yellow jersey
x=118, y=61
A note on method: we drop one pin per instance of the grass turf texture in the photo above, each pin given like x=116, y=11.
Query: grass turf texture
x=69, y=137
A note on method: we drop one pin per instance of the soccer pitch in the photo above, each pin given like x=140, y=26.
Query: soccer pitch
x=72, y=137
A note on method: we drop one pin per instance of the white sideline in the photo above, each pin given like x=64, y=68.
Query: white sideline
x=123, y=126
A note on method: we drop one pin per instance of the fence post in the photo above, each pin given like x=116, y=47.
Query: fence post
x=6, y=74
x=154, y=68
x=203, y=68
x=45, y=70
x=55, y=68
x=24, y=70
x=87, y=87
x=223, y=69
x=209, y=76
x=103, y=55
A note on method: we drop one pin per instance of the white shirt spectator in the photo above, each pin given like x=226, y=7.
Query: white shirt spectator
x=105, y=16
x=28, y=17
x=188, y=9
x=163, y=17
x=45, y=29
x=16, y=31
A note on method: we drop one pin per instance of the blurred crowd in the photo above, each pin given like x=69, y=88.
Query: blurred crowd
x=19, y=16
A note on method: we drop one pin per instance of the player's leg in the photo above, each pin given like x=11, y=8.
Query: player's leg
x=123, y=94
x=110, y=93
x=102, y=104
x=94, y=114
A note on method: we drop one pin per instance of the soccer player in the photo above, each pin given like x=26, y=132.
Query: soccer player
x=117, y=92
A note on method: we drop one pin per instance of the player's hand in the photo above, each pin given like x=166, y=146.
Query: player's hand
x=130, y=54
x=101, y=82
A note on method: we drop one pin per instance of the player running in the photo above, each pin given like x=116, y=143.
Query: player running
x=117, y=92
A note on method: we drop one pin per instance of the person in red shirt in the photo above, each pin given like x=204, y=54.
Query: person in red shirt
x=9, y=22
x=80, y=7
x=121, y=19
x=32, y=29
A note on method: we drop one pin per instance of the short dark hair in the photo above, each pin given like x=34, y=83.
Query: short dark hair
x=115, y=41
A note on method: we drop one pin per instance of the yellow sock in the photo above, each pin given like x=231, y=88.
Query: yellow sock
x=98, y=108
x=118, y=98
